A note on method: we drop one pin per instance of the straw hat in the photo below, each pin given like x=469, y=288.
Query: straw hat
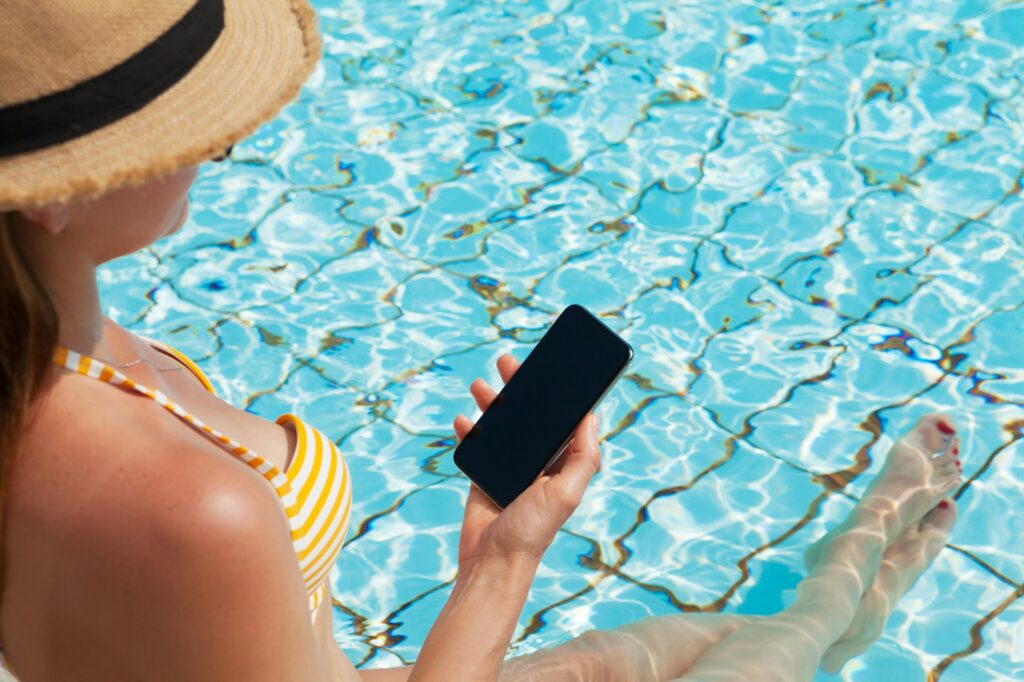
x=99, y=94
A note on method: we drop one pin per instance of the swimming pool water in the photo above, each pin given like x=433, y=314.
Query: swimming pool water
x=805, y=217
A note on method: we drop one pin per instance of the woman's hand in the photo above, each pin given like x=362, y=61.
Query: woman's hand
x=527, y=526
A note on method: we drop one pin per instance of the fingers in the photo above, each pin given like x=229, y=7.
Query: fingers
x=462, y=426
x=507, y=366
x=482, y=391
x=483, y=394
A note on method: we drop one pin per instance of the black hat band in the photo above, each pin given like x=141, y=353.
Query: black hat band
x=114, y=94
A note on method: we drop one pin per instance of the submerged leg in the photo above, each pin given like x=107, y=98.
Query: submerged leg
x=648, y=650
x=665, y=647
x=903, y=564
x=790, y=645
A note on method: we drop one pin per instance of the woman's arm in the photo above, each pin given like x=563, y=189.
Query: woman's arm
x=470, y=637
x=499, y=551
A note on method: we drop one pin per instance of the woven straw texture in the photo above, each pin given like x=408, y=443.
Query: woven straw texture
x=267, y=50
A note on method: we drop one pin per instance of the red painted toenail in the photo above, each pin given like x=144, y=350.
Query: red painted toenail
x=945, y=428
x=943, y=504
x=956, y=450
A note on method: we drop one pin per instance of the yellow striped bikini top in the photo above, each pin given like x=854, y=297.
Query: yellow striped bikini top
x=315, y=489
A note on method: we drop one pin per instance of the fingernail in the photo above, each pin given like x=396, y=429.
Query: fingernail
x=945, y=428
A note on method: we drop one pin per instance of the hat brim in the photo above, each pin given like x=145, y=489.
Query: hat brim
x=267, y=50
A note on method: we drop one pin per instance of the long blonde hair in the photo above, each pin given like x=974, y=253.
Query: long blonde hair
x=29, y=334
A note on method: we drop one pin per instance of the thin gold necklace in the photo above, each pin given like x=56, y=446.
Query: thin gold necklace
x=122, y=365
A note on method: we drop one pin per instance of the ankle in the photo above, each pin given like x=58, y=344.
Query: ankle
x=880, y=512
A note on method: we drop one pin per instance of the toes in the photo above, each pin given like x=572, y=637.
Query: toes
x=949, y=451
x=949, y=486
x=935, y=431
x=948, y=463
x=941, y=518
x=936, y=526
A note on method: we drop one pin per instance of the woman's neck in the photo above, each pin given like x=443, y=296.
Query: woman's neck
x=69, y=276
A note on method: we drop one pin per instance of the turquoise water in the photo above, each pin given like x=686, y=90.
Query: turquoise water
x=804, y=217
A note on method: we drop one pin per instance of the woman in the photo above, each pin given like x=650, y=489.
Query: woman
x=145, y=538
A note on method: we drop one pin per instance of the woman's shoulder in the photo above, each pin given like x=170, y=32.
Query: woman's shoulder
x=83, y=439
x=145, y=525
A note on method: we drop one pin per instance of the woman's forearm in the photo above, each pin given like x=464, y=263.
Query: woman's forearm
x=470, y=637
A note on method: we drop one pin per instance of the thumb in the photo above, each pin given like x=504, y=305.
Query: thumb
x=580, y=462
x=586, y=440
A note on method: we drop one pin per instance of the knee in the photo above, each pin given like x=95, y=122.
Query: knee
x=609, y=656
x=621, y=656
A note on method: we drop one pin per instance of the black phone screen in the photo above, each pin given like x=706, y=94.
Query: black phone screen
x=534, y=416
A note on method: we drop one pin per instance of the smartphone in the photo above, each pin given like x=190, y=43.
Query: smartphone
x=532, y=420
